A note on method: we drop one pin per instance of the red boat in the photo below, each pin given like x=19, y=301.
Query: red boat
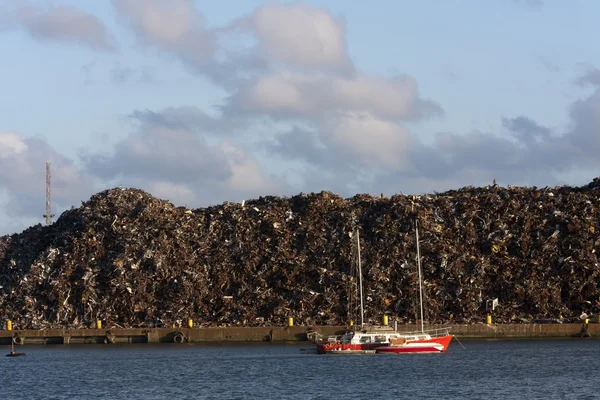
x=435, y=341
x=356, y=342
x=431, y=341
x=387, y=341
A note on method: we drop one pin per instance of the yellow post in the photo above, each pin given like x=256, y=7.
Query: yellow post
x=385, y=320
x=290, y=321
x=9, y=325
x=489, y=319
x=98, y=324
x=351, y=323
x=190, y=323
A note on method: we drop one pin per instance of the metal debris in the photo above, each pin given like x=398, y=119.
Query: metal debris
x=132, y=260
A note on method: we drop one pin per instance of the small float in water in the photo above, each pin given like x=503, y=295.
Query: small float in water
x=13, y=353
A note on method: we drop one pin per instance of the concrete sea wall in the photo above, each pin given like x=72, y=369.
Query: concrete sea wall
x=273, y=334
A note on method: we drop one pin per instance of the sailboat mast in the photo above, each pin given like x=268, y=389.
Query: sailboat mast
x=362, y=322
x=419, y=267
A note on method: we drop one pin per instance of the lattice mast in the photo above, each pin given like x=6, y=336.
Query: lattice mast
x=48, y=214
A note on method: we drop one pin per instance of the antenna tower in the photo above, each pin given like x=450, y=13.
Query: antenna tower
x=48, y=214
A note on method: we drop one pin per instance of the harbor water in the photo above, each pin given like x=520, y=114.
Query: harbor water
x=509, y=369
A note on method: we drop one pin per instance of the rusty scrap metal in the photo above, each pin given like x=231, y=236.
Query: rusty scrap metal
x=132, y=260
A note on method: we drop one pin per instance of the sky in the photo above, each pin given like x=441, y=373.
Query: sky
x=202, y=102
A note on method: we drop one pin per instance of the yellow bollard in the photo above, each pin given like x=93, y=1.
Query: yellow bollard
x=290, y=321
x=190, y=323
x=9, y=325
x=351, y=323
x=98, y=324
x=385, y=320
x=489, y=319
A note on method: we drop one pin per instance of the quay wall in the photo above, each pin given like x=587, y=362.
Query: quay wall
x=275, y=334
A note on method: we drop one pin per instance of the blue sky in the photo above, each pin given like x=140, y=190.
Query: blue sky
x=201, y=102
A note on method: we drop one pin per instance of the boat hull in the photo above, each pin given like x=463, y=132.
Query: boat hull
x=433, y=345
x=347, y=348
x=348, y=351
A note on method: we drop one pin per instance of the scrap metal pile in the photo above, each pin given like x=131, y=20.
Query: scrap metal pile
x=132, y=260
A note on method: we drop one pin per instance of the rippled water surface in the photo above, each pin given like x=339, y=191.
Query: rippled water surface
x=516, y=369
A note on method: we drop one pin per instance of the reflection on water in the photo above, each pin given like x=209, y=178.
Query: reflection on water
x=516, y=369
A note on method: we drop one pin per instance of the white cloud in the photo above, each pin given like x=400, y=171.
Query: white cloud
x=23, y=176
x=177, y=193
x=372, y=142
x=293, y=89
x=277, y=93
x=62, y=23
x=247, y=175
x=164, y=155
x=158, y=20
x=313, y=95
x=175, y=27
x=11, y=144
x=300, y=35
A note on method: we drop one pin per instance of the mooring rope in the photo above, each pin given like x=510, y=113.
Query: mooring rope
x=459, y=342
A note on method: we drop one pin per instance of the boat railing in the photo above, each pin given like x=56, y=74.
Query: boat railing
x=437, y=332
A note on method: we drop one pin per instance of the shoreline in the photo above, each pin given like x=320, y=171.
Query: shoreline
x=296, y=333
